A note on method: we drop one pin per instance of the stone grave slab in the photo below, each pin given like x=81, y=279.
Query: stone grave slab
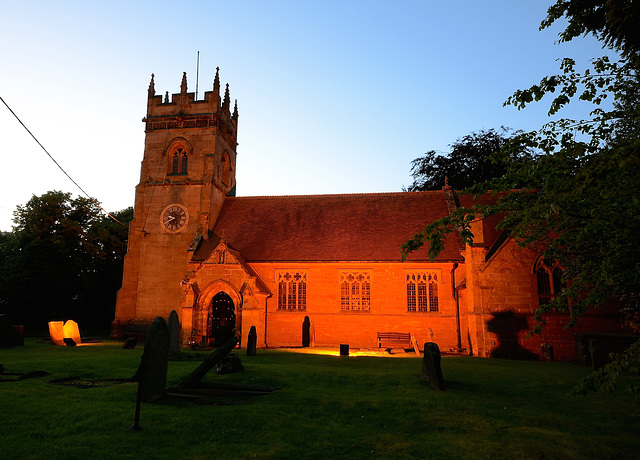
x=194, y=389
x=209, y=363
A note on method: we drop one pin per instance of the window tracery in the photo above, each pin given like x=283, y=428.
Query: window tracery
x=355, y=291
x=292, y=290
x=422, y=291
x=179, y=161
x=549, y=280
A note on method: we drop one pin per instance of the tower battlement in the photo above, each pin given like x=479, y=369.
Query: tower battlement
x=182, y=110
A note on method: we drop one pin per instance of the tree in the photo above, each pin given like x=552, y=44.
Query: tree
x=579, y=201
x=614, y=22
x=468, y=163
x=63, y=260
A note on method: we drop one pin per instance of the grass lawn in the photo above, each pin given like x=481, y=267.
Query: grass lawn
x=328, y=407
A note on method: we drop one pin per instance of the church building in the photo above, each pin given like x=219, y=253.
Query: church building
x=319, y=270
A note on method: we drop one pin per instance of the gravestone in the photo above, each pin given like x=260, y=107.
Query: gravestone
x=71, y=331
x=344, y=349
x=209, y=363
x=152, y=373
x=10, y=336
x=174, y=333
x=230, y=364
x=5, y=330
x=547, y=352
x=252, y=340
x=130, y=343
x=431, y=370
x=56, y=332
x=306, y=332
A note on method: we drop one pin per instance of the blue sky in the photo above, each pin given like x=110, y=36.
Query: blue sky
x=333, y=96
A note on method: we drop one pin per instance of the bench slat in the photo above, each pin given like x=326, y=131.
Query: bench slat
x=397, y=337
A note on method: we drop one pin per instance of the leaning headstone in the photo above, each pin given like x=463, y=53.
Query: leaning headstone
x=71, y=331
x=210, y=361
x=174, y=333
x=130, y=343
x=431, y=370
x=56, y=332
x=152, y=373
x=252, y=340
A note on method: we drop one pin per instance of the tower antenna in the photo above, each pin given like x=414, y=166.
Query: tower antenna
x=197, y=73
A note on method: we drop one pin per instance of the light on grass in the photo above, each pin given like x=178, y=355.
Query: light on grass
x=376, y=353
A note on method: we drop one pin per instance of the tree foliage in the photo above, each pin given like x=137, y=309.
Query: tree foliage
x=63, y=260
x=579, y=201
x=469, y=162
x=613, y=22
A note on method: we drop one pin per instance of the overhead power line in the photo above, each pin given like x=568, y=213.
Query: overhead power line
x=56, y=163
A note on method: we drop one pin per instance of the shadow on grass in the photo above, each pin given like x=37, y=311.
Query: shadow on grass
x=461, y=386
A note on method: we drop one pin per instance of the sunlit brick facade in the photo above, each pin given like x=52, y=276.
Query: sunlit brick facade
x=325, y=269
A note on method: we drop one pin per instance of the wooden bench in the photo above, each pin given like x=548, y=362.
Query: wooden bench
x=402, y=339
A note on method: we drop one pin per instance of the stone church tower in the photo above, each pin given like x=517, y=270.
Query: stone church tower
x=187, y=170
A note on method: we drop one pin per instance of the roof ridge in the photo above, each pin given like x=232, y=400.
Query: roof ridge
x=313, y=195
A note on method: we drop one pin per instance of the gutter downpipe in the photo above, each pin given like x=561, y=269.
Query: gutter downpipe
x=456, y=298
x=266, y=304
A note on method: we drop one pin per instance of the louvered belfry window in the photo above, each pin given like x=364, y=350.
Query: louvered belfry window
x=179, y=162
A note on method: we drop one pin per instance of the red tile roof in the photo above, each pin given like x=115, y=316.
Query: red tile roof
x=355, y=227
x=491, y=233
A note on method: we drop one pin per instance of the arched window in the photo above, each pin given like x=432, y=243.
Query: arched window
x=175, y=164
x=549, y=280
x=179, y=161
x=183, y=165
x=225, y=169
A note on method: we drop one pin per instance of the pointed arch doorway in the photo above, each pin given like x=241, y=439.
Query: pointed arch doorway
x=221, y=323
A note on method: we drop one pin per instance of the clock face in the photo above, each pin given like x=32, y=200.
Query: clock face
x=174, y=217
